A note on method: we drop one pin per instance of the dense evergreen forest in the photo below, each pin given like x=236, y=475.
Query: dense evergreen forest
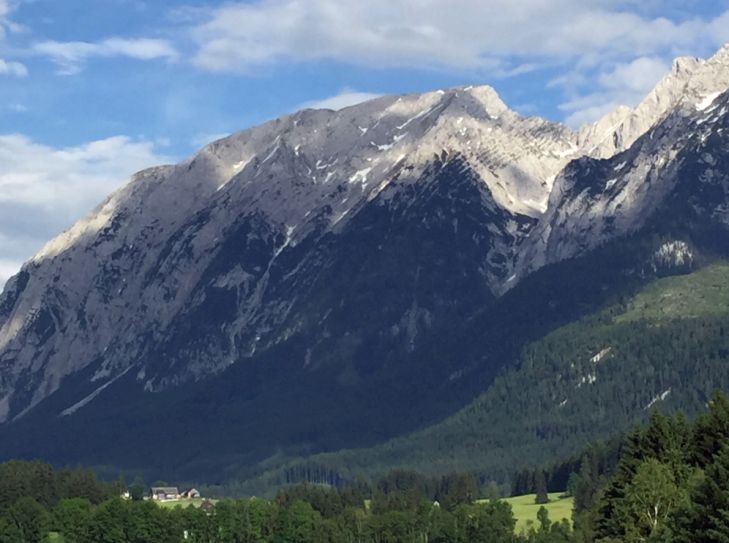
x=667, y=346
x=666, y=481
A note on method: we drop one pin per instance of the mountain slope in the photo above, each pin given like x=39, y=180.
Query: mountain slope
x=677, y=171
x=665, y=346
x=332, y=280
x=119, y=282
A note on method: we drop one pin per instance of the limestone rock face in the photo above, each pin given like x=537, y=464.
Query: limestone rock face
x=349, y=239
x=104, y=295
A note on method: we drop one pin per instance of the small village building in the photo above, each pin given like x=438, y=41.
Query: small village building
x=163, y=493
x=192, y=494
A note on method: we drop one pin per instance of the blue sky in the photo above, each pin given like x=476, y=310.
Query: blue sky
x=93, y=90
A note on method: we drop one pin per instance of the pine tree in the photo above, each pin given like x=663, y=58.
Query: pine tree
x=711, y=430
x=707, y=517
x=540, y=481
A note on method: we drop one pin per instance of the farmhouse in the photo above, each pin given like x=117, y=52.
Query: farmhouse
x=192, y=494
x=163, y=493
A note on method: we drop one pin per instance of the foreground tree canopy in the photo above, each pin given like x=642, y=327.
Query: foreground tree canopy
x=667, y=481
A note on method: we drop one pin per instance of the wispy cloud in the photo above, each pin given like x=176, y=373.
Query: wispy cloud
x=5, y=23
x=70, y=57
x=9, y=67
x=618, y=84
x=609, y=52
x=500, y=35
x=200, y=140
x=346, y=98
x=44, y=189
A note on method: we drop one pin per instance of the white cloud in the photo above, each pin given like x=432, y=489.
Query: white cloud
x=339, y=101
x=614, y=51
x=6, y=24
x=71, y=56
x=497, y=35
x=200, y=140
x=589, y=110
x=8, y=268
x=620, y=84
x=9, y=67
x=638, y=76
x=44, y=190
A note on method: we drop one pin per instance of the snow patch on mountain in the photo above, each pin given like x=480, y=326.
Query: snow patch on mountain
x=597, y=358
x=658, y=398
x=91, y=397
x=672, y=254
x=707, y=101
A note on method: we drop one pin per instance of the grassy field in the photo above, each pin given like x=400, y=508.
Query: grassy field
x=525, y=510
x=702, y=293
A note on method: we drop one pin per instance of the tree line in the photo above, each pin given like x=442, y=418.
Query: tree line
x=40, y=504
x=664, y=481
x=671, y=483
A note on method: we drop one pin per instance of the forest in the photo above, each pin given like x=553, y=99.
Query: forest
x=664, y=346
x=38, y=504
x=666, y=480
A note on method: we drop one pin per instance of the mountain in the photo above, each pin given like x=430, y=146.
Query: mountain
x=243, y=228
x=665, y=346
x=332, y=280
x=692, y=82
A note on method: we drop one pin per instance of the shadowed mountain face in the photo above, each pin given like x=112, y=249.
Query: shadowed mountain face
x=335, y=279
x=367, y=318
x=192, y=268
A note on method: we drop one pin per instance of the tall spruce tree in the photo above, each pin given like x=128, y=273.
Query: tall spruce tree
x=706, y=519
x=540, y=481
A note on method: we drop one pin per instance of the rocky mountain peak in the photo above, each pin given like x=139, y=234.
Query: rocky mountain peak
x=685, y=65
x=689, y=83
x=226, y=222
x=191, y=268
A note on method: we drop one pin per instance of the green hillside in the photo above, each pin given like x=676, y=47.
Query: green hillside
x=700, y=294
x=667, y=346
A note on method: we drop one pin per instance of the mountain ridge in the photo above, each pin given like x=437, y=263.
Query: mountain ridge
x=161, y=200
x=351, y=250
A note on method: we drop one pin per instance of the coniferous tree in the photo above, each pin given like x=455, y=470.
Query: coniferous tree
x=706, y=518
x=711, y=430
x=492, y=491
x=540, y=481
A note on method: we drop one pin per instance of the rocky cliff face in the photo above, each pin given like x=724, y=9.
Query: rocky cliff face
x=228, y=241
x=676, y=171
x=692, y=84
x=354, y=248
